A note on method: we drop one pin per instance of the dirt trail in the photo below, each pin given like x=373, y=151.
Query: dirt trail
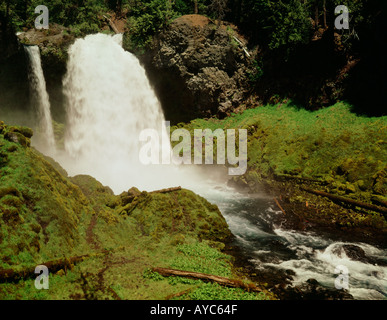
x=91, y=238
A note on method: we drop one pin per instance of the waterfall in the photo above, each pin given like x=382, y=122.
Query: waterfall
x=109, y=101
x=44, y=137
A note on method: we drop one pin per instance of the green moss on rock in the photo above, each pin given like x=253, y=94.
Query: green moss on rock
x=179, y=212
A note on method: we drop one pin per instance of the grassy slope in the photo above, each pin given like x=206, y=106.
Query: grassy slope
x=345, y=152
x=45, y=215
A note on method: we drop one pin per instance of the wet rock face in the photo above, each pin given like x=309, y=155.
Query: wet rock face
x=198, y=69
x=355, y=253
x=50, y=41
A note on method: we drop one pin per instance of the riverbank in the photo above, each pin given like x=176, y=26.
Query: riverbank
x=291, y=150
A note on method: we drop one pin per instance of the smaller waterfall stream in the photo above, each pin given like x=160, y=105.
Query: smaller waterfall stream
x=44, y=137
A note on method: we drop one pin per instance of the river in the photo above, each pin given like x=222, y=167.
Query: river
x=299, y=258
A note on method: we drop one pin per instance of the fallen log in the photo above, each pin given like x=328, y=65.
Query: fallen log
x=53, y=266
x=166, y=272
x=279, y=206
x=380, y=202
x=112, y=25
x=128, y=199
x=357, y=203
x=12, y=275
x=166, y=190
x=242, y=45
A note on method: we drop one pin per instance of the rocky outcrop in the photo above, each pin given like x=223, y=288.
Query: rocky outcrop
x=199, y=68
x=53, y=41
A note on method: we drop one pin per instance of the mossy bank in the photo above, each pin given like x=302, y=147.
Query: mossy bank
x=102, y=246
x=332, y=150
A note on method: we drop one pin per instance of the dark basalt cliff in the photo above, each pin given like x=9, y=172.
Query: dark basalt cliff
x=199, y=68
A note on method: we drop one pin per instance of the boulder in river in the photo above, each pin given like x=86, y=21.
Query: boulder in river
x=355, y=252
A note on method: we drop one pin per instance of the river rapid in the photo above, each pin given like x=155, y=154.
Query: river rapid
x=305, y=264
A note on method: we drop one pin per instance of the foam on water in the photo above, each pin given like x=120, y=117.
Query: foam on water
x=317, y=258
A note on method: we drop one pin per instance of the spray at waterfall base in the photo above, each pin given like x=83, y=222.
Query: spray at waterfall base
x=158, y=150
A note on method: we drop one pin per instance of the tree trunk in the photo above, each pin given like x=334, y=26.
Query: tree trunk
x=12, y=275
x=325, y=14
x=112, y=25
x=357, y=203
x=7, y=275
x=316, y=14
x=7, y=10
x=286, y=177
x=119, y=6
x=196, y=7
x=279, y=206
x=207, y=277
x=166, y=190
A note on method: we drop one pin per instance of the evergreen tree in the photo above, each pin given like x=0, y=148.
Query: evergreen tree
x=219, y=8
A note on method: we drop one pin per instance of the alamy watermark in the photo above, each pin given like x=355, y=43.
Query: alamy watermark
x=42, y=21
x=41, y=281
x=342, y=280
x=156, y=149
x=342, y=21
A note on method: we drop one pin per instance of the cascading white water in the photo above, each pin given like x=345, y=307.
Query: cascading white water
x=109, y=102
x=44, y=137
x=317, y=258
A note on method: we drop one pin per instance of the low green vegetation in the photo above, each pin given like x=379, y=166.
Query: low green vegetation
x=178, y=214
x=212, y=291
x=201, y=257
